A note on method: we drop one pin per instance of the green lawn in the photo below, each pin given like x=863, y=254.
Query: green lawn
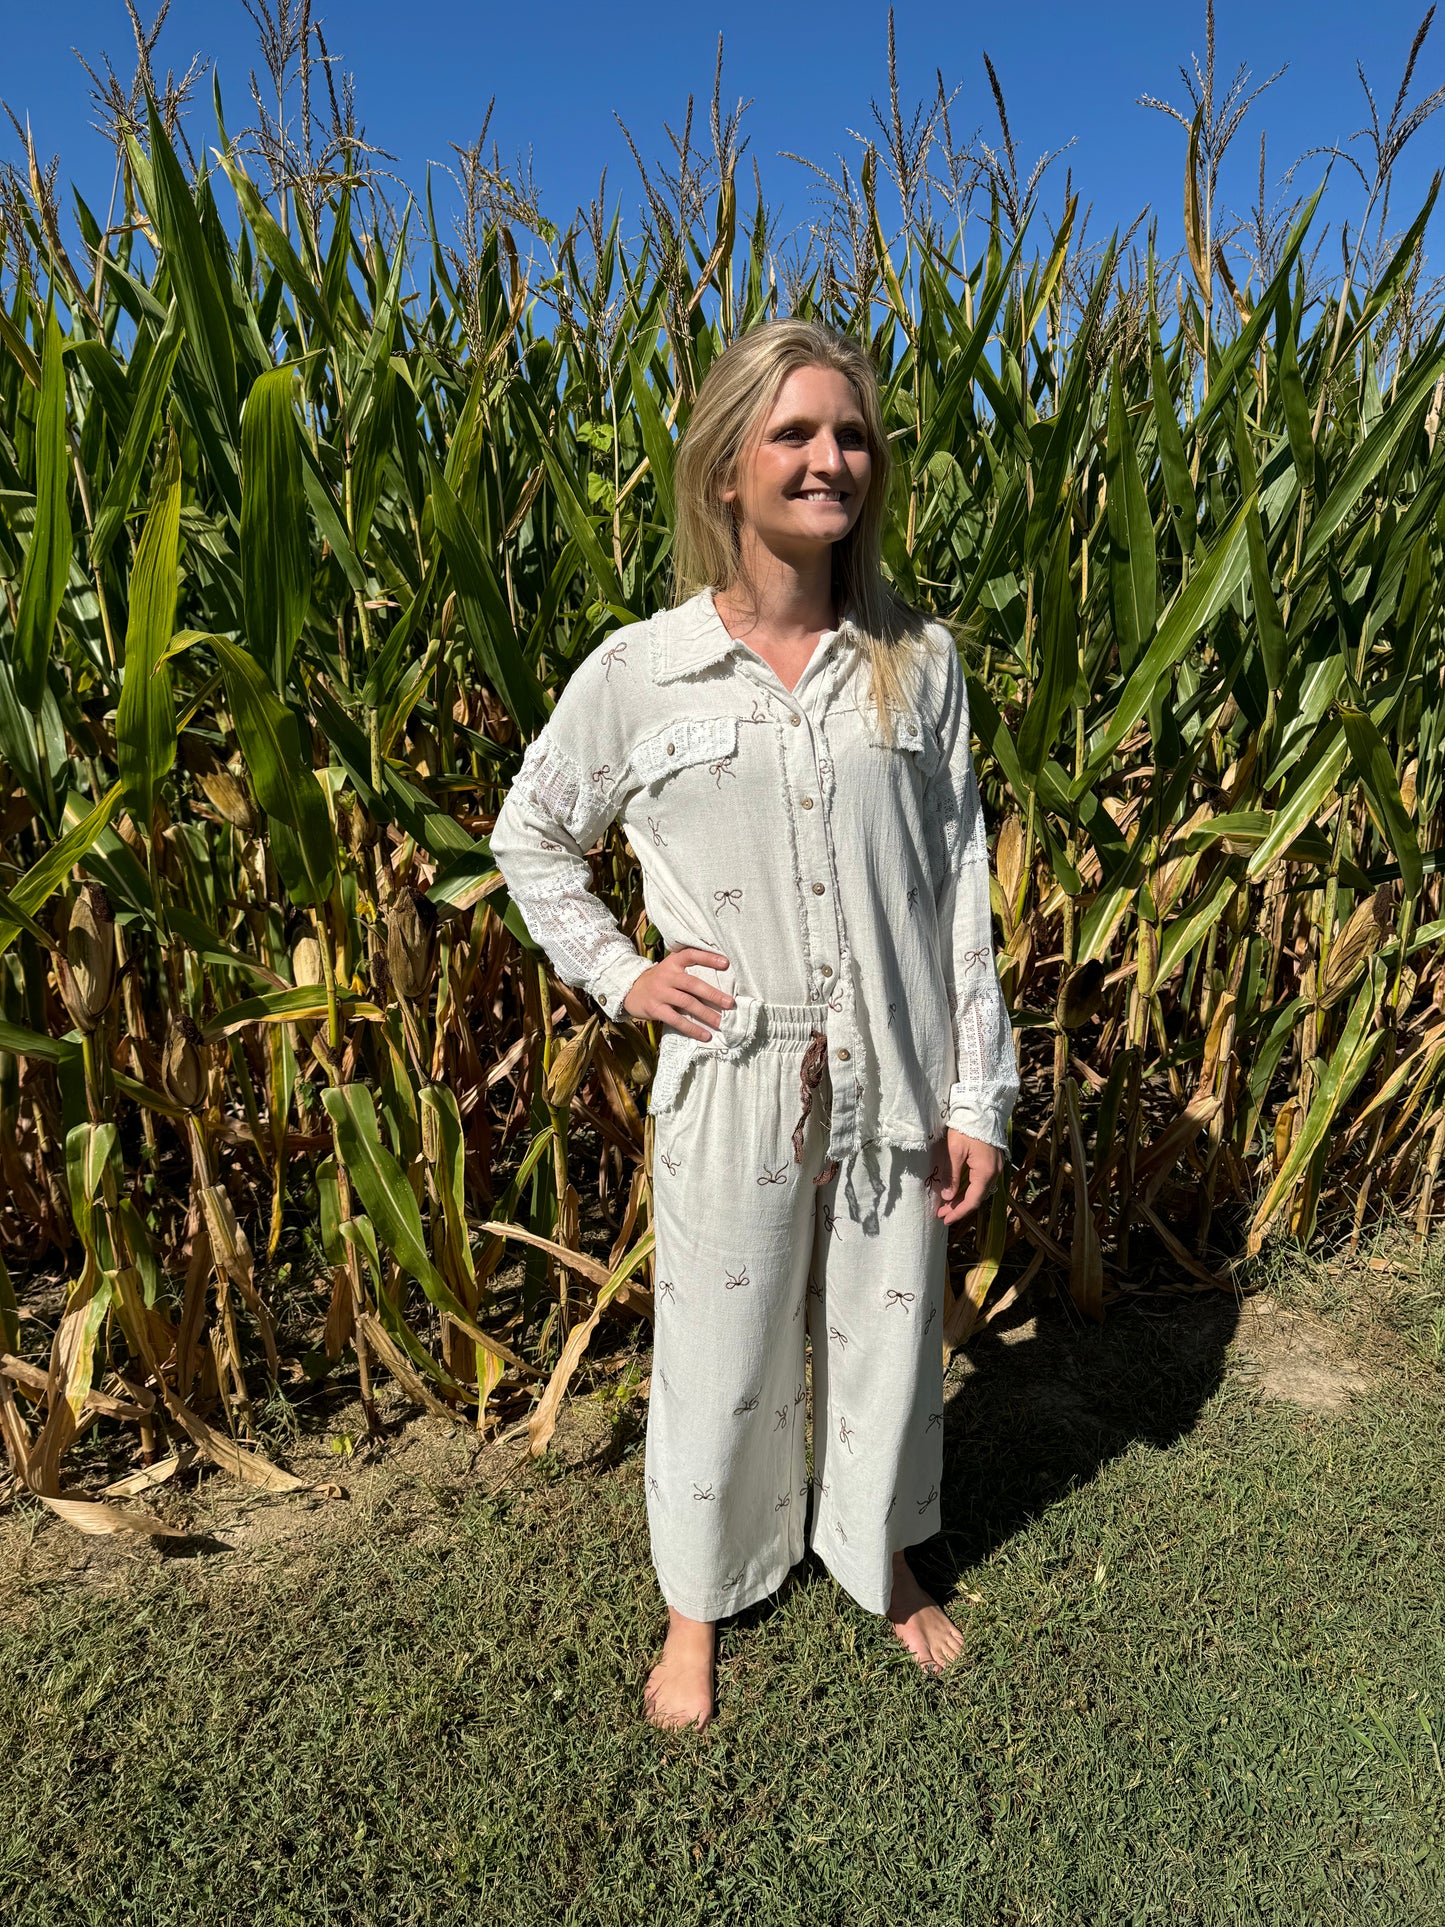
x=1204, y=1679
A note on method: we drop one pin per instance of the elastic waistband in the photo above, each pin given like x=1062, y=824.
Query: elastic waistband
x=783, y=1025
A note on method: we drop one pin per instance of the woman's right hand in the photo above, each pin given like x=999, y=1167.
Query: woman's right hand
x=668, y=994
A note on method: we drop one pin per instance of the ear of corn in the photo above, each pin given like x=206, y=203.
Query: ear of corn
x=296, y=564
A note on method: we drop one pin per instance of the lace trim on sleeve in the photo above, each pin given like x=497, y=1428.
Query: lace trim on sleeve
x=575, y=928
x=553, y=783
x=955, y=824
x=984, y=1037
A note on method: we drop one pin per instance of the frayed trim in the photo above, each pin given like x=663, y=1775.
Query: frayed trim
x=736, y=1033
x=895, y=1138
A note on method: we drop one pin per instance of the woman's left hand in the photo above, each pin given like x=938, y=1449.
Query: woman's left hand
x=965, y=1170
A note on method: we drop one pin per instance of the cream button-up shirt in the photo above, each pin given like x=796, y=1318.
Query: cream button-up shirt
x=779, y=828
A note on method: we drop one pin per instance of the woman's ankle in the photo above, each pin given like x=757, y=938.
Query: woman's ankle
x=698, y=1631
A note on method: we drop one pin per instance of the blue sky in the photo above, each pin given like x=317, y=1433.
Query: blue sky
x=425, y=72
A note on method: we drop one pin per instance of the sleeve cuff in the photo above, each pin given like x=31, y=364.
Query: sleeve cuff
x=613, y=981
x=980, y=1114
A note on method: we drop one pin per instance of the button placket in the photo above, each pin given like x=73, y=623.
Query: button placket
x=840, y=1021
x=800, y=764
x=826, y=938
x=796, y=716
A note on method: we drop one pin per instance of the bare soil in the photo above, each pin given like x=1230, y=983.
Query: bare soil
x=411, y=1479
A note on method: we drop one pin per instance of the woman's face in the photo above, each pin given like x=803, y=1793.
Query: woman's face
x=802, y=483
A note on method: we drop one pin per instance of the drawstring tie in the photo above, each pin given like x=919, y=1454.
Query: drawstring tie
x=810, y=1075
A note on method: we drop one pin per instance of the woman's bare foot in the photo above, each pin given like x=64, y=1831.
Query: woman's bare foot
x=679, y=1687
x=920, y=1622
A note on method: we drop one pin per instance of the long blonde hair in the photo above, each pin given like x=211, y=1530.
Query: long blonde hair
x=734, y=401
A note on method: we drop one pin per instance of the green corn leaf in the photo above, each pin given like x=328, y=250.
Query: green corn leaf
x=329, y=523
x=1240, y=352
x=1209, y=587
x=30, y=1043
x=328, y=1196
x=1292, y=395
x=390, y=1203
x=375, y=440
x=305, y=291
x=1059, y=659
x=19, y=749
x=190, y=264
x=993, y=733
x=656, y=439
x=335, y=274
x=1133, y=567
x=279, y=762
x=1179, y=938
x=1372, y=454
x=140, y=434
x=484, y=610
x=275, y=551
x=1043, y=283
x=286, y=1006
x=89, y=1149
x=1376, y=770
x=380, y=1183
x=449, y=1170
x=942, y=420
x=44, y=878
x=397, y=800
x=360, y=1232
x=47, y=560
x=1395, y=271
x=1178, y=482
x=111, y=381
x=570, y=505
x=12, y=914
x=1347, y=1064
x=1074, y=408
x=394, y=660
x=19, y=347
x=145, y=726
x=1314, y=784
x=1272, y=641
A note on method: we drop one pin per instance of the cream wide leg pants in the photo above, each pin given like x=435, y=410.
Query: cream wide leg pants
x=751, y=1252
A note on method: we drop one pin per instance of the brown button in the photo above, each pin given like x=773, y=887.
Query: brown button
x=795, y=720
x=672, y=749
x=817, y=889
x=825, y=970
x=807, y=802
x=845, y=1055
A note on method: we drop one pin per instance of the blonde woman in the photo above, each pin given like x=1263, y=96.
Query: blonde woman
x=787, y=747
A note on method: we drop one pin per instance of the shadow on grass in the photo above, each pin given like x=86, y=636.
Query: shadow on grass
x=1041, y=1404
x=1036, y=1406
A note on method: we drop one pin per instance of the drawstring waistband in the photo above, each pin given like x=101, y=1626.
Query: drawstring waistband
x=811, y=1073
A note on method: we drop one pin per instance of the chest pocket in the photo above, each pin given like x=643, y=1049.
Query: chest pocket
x=683, y=745
x=910, y=738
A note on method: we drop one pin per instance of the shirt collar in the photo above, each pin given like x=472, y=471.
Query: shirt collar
x=693, y=637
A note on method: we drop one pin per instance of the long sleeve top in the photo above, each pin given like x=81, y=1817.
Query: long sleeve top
x=779, y=828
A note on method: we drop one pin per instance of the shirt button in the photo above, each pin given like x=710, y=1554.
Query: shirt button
x=845, y=1055
x=672, y=749
x=807, y=802
x=795, y=720
x=825, y=970
x=817, y=889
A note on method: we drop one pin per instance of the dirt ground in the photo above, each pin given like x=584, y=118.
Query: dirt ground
x=1167, y=1352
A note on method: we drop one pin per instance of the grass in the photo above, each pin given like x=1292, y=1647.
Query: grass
x=1204, y=1679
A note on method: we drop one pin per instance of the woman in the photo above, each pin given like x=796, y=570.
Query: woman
x=788, y=750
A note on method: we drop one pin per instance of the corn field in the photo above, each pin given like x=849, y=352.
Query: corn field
x=303, y=523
